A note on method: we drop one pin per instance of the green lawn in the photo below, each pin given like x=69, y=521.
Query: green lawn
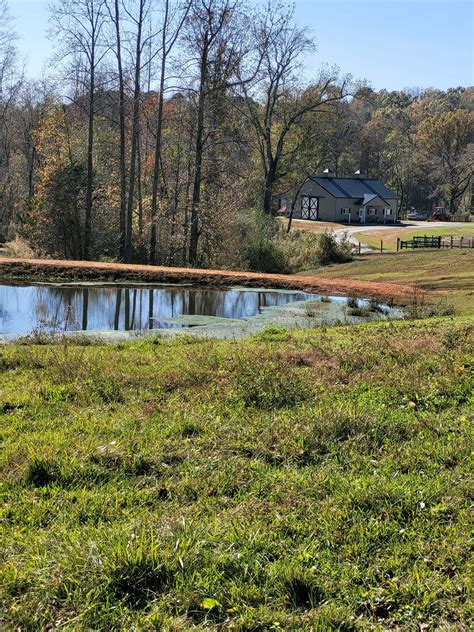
x=389, y=236
x=315, y=480
x=448, y=272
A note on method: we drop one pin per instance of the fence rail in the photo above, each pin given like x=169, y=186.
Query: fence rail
x=435, y=242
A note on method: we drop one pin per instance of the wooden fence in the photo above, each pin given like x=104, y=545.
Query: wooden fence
x=435, y=242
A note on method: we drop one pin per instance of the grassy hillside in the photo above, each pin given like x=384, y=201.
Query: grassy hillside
x=306, y=481
x=389, y=237
x=449, y=272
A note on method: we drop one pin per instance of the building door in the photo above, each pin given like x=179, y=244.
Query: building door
x=309, y=207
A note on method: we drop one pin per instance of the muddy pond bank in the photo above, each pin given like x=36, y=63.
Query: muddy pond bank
x=84, y=271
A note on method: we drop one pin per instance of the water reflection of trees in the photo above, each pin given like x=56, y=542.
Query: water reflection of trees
x=118, y=308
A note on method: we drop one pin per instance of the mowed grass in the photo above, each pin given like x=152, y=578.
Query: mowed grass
x=450, y=273
x=312, y=480
x=389, y=236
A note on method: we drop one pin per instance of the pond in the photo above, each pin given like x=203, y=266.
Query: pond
x=120, y=312
x=25, y=308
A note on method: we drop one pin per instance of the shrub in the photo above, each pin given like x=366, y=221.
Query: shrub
x=265, y=246
x=265, y=255
x=330, y=250
x=374, y=306
x=417, y=308
x=356, y=311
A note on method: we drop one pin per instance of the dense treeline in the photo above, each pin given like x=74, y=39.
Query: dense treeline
x=169, y=129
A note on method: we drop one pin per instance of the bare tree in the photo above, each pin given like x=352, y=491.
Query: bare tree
x=277, y=102
x=138, y=20
x=10, y=83
x=173, y=20
x=115, y=17
x=80, y=26
x=218, y=41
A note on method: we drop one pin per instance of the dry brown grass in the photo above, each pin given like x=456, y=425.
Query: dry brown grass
x=18, y=248
x=59, y=270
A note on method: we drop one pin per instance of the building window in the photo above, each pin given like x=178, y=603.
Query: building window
x=345, y=211
x=372, y=211
x=388, y=210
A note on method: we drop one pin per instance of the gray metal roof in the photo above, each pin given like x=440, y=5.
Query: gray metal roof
x=370, y=197
x=355, y=188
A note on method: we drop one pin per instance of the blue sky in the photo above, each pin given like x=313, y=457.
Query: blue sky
x=392, y=43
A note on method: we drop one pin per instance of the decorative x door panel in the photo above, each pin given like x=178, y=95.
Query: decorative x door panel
x=309, y=207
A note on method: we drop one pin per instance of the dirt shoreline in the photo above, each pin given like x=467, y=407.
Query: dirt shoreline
x=62, y=271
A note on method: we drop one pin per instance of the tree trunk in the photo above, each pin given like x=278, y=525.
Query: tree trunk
x=159, y=133
x=270, y=180
x=90, y=160
x=122, y=166
x=31, y=175
x=199, y=148
x=135, y=133
x=139, y=189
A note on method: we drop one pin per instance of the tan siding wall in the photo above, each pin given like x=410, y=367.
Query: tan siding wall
x=327, y=204
x=330, y=207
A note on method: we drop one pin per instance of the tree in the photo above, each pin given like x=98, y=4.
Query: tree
x=278, y=101
x=79, y=24
x=10, y=83
x=115, y=17
x=173, y=21
x=446, y=142
x=210, y=33
x=140, y=41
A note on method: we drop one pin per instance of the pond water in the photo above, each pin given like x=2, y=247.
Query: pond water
x=53, y=308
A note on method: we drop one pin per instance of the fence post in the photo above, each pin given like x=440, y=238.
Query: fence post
x=398, y=244
x=451, y=241
x=460, y=243
x=439, y=242
x=381, y=246
x=359, y=247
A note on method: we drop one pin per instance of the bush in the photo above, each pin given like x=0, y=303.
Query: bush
x=330, y=250
x=261, y=248
x=265, y=246
x=418, y=308
x=265, y=255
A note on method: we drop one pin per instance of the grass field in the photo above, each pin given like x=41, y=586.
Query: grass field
x=307, y=481
x=449, y=272
x=389, y=237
